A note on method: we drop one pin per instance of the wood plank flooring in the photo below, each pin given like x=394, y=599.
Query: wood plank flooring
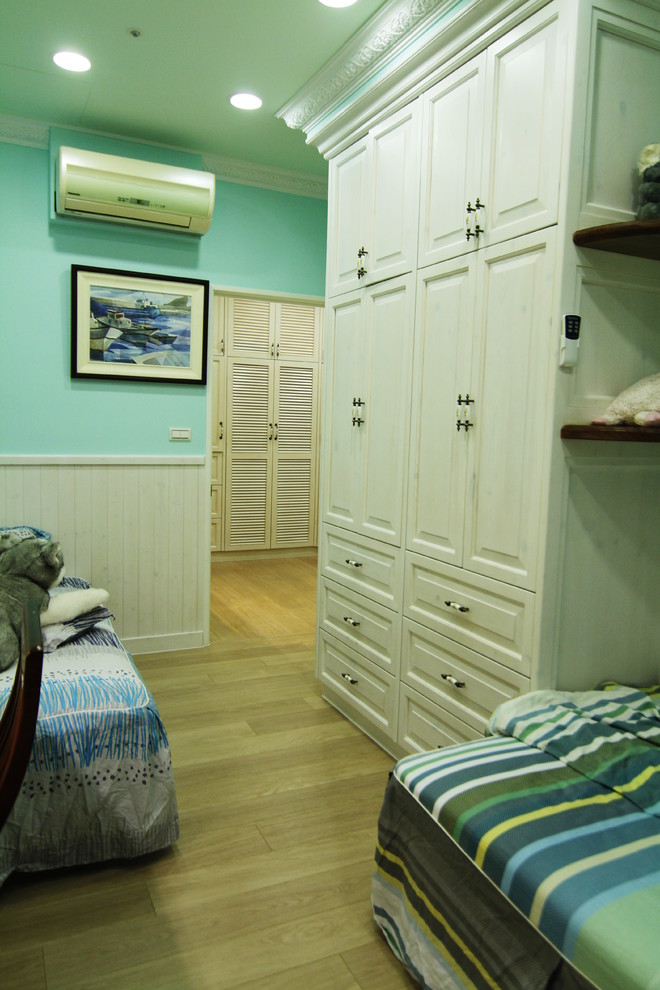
x=268, y=886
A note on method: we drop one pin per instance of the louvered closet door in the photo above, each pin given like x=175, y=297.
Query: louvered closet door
x=249, y=454
x=250, y=327
x=294, y=455
x=297, y=331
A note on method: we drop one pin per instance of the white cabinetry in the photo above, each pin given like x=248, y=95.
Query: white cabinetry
x=482, y=354
x=373, y=203
x=367, y=385
x=271, y=423
x=492, y=135
x=521, y=562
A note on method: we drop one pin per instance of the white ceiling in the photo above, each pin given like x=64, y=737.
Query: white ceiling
x=171, y=85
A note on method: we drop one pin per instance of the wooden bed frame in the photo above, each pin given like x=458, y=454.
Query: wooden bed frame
x=19, y=718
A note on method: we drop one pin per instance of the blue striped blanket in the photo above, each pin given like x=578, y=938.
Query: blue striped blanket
x=560, y=807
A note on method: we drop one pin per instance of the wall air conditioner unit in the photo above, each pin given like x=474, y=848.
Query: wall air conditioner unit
x=126, y=190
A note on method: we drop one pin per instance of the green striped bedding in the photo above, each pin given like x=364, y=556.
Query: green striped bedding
x=559, y=809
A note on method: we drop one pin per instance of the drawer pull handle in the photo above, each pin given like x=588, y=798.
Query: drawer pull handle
x=350, y=621
x=347, y=677
x=459, y=608
x=353, y=563
x=452, y=680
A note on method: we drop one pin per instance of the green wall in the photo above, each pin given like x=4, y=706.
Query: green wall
x=259, y=239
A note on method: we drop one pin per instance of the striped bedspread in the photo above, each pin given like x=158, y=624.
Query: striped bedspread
x=99, y=784
x=560, y=808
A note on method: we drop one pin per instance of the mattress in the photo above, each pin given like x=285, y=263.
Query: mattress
x=552, y=824
x=99, y=784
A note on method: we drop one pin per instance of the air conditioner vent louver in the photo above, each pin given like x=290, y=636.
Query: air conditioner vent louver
x=126, y=190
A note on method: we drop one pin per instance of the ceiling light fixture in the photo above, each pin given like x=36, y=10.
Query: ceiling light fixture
x=338, y=3
x=245, y=101
x=72, y=61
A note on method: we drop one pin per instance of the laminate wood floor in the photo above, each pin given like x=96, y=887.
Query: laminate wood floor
x=268, y=886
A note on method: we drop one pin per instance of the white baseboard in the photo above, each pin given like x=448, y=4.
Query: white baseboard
x=164, y=644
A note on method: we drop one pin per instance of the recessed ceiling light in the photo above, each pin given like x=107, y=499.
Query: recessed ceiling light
x=245, y=101
x=338, y=3
x=72, y=61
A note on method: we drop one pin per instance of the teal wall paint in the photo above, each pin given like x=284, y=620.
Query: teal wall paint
x=259, y=239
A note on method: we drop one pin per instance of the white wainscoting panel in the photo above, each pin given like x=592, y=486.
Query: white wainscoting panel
x=139, y=529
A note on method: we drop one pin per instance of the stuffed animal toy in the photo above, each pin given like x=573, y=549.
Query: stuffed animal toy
x=639, y=403
x=649, y=188
x=28, y=569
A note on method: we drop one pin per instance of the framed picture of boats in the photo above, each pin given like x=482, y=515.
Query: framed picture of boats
x=132, y=325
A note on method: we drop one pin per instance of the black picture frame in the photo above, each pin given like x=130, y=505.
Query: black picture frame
x=138, y=326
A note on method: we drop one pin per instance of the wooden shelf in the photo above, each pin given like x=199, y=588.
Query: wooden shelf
x=594, y=431
x=637, y=237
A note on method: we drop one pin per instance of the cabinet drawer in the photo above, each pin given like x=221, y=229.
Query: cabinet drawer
x=367, y=626
x=424, y=725
x=455, y=677
x=358, y=687
x=489, y=616
x=370, y=568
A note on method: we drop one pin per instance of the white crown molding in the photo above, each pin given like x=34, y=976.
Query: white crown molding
x=35, y=134
x=406, y=47
x=267, y=176
x=363, y=57
x=16, y=130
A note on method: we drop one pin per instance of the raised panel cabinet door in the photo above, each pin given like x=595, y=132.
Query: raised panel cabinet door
x=452, y=135
x=439, y=432
x=348, y=216
x=250, y=330
x=343, y=385
x=249, y=454
x=513, y=350
x=388, y=312
x=391, y=243
x=294, y=455
x=524, y=118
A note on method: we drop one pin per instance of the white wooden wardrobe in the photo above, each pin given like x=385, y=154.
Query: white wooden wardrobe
x=467, y=552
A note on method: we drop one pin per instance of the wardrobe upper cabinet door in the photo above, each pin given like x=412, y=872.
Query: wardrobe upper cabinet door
x=249, y=327
x=348, y=216
x=298, y=328
x=525, y=87
x=452, y=129
x=373, y=204
x=444, y=325
x=394, y=213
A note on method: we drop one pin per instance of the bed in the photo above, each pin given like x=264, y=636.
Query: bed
x=529, y=859
x=99, y=783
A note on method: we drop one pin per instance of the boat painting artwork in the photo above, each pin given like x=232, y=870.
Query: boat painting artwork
x=129, y=325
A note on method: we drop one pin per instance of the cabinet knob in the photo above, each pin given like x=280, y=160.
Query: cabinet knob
x=452, y=680
x=347, y=677
x=350, y=621
x=455, y=605
x=353, y=563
